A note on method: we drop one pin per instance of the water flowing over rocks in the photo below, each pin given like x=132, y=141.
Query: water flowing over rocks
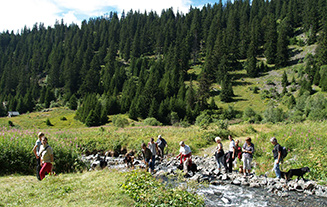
x=225, y=189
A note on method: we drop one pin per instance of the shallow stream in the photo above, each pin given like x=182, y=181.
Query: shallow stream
x=232, y=195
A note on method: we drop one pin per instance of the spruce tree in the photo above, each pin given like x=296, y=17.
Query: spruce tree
x=73, y=102
x=284, y=80
x=282, y=45
x=270, y=46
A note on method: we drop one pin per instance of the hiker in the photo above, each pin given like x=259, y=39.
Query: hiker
x=153, y=146
x=248, y=150
x=238, y=152
x=185, y=154
x=46, y=154
x=147, y=156
x=36, y=150
x=161, y=142
x=231, y=153
x=277, y=151
x=219, y=154
x=129, y=159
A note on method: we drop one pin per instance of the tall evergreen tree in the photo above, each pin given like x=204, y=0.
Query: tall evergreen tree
x=271, y=40
x=282, y=45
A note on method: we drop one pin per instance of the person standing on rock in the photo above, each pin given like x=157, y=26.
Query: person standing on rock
x=238, y=152
x=248, y=150
x=147, y=156
x=161, y=142
x=185, y=154
x=36, y=150
x=46, y=154
x=219, y=154
x=231, y=153
x=153, y=146
x=277, y=151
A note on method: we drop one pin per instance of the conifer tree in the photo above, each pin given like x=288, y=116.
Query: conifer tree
x=92, y=119
x=323, y=80
x=271, y=40
x=251, y=63
x=133, y=113
x=322, y=47
x=49, y=96
x=284, y=80
x=73, y=102
x=282, y=45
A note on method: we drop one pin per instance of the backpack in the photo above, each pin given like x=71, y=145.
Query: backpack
x=284, y=152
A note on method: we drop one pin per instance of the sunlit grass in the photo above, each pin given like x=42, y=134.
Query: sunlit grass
x=97, y=188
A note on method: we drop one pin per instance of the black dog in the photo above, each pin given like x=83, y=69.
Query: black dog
x=192, y=167
x=295, y=172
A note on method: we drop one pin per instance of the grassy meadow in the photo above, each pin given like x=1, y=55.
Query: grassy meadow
x=306, y=142
x=96, y=188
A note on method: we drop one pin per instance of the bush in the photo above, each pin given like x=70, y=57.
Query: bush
x=152, y=122
x=119, y=121
x=63, y=118
x=48, y=123
x=148, y=191
x=184, y=124
x=273, y=115
x=10, y=123
x=222, y=124
x=248, y=114
x=54, y=104
x=203, y=120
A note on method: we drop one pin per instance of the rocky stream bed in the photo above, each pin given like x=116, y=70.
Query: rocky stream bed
x=232, y=189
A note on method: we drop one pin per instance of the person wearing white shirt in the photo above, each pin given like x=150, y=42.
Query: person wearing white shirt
x=185, y=154
x=231, y=153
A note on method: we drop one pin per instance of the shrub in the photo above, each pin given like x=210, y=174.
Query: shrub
x=148, y=191
x=119, y=121
x=184, y=124
x=248, y=114
x=273, y=114
x=10, y=123
x=54, y=104
x=174, y=117
x=48, y=123
x=152, y=122
x=222, y=124
x=203, y=120
x=63, y=118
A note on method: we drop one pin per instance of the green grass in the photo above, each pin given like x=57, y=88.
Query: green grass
x=97, y=188
x=38, y=120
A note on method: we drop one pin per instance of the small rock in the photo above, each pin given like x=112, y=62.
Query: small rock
x=255, y=185
x=226, y=200
x=236, y=182
x=245, y=183
x=224, y=177
x=196, y=177
x=215, y=182
x=308, y=192
x=309, y=185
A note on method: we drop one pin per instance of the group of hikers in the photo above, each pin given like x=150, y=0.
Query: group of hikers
x=227, y=160
x=45, y=160
x=151, y=150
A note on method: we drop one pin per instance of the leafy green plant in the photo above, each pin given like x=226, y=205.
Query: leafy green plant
x=152, y=122
x=147, y=191
x=48, y=123
x=119, y=121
